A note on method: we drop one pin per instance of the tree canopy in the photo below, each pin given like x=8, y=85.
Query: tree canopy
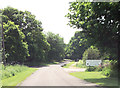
x=21, y=31
x=25, y=42
x=57, y=46
x=76, y=46
x=100, y=23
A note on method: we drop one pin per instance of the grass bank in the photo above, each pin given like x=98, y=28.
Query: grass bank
x=14, y=80
x=11, y=75
x=96, y=77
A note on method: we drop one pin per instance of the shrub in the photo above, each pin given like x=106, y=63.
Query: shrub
x=99, y=68
x=81, y=64
x=90, y=68
x=91, y=53
x=111, y=69
x=106, y=71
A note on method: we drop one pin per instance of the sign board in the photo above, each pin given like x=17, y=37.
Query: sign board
x=93, y=62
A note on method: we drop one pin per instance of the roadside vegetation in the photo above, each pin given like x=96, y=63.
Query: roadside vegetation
x=12, y=70
x=102, y=74
x=80, y=64
x=14, y=74
x=15, y=80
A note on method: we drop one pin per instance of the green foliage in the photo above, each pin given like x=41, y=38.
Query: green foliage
x=57, y=45
x=38, y=47
x=15, y=48
x=99, y=68
x=92, y=53
x=13, y=81
x=77, y=45
x=80, y=64
x=90, y=68
x=12, y=70
x=24, y=40
x=111, y=69
x=106, y=71
x=100, y=23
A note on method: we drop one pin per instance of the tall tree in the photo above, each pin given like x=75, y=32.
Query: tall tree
x=100, y=23
x=57, y=45
x=77, y=46
x=32, y=29
x=16, y=49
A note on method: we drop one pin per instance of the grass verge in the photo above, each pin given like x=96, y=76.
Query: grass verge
x=96, y=77
x=69, y=64
x=14, y=80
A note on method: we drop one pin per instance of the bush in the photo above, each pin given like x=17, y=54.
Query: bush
x=111, y=69
x=94, y=68
x=99, y=68
x=106, y=71
x=81, y=64
x=91, y=53
x=90, y=68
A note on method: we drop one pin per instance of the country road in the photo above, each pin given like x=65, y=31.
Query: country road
x=53, y=75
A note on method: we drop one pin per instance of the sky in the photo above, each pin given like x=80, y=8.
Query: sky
x=50, y=12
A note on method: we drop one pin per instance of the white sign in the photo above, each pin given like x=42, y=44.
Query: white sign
x=93, y=62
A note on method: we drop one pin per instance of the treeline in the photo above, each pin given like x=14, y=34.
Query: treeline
x=25, y=42
x=76, y=46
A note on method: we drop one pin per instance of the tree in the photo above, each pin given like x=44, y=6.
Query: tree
x=76, y=46
x=32, y=30
x=38, y=46
x=100, y=23
x=56, y=52
x=15, y=48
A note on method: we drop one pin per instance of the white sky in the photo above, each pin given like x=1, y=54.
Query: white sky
x=50, y=12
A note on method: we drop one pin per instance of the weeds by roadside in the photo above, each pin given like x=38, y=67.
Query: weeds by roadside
x=12, y=70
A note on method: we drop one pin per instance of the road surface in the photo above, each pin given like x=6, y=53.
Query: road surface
x=53, y=75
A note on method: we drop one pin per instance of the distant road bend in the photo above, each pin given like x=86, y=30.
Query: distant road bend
x=53, y=75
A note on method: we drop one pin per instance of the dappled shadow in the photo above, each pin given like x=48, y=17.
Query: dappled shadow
x=105, y=82
x=38, y=65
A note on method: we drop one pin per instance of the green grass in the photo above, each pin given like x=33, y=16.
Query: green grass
x=12, y=70
x=69, y=64
x=96, y=77
x=14, y=80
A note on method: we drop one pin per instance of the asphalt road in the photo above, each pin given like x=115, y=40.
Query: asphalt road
x=53, y=75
